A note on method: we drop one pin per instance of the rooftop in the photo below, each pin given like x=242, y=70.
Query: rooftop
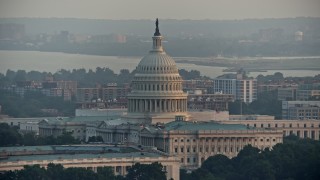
x=79, y=156
x=195, y=126
x=26, y=148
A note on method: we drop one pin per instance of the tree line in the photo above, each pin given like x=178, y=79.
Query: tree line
x=138, y=171
x=266, y=104
x=33, y=103
x=10, y=136
x=85, y=78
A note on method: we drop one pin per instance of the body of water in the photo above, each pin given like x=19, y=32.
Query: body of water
x=54, y=61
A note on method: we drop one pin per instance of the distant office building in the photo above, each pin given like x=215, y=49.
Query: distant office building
x=112, y=96
x=225, y=86
x=301, y=110
x=287, y=93
x=196, y=84
x=268, y=87
x=244, y=89
x=203, y=101
x=87, y=94
x=305, y=95
x=247, y=90
x=307, y=91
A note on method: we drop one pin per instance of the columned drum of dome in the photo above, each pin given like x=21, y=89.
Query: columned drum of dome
x=156, y=94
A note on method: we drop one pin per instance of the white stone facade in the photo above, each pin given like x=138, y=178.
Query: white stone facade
x=157, y=94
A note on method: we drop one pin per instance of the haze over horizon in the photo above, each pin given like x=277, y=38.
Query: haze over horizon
x=163, y=9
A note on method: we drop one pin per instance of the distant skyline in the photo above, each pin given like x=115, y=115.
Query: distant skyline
x=163, y=9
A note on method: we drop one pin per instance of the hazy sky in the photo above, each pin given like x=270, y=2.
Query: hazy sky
x=164, y=9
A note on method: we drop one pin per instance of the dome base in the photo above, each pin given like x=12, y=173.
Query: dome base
x=137, y=118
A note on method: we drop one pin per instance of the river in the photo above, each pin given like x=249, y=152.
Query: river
x=54, y=61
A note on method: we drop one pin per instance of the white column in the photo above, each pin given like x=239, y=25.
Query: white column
x=160, y=105
x=183, y=105
x=176, y=104
x=165, y=105
x=155, y=105
x=145, y=105
x=150, y=105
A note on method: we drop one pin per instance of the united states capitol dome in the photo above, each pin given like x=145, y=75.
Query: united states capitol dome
x=156, y=63
x=156, y=94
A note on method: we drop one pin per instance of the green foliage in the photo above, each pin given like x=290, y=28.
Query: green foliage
x=95, y=139
x=79, y=174
x=218, y=165
x=9, y=136
x=34, y=172
x=31, y=104
x=186, y=75
x=90, y=78
x=138, y=171
x=153, y=171
x=294, y=159
x=266, y=103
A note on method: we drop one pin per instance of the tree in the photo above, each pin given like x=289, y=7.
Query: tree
x=34, y=172
x=152, y=171
x=79, y=174
x=202, y=174
x=9, y=135
x=105, y=173
x=55, y=171
x=8, y=175
x=66, y=138
x=21, y=75
x=219, y=165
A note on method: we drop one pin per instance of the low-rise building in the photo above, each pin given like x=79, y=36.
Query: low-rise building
x=301, y=128
x=287, y=93
x=301, y=110
x=218, y=102
x=194, y=142
x=120, y=159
